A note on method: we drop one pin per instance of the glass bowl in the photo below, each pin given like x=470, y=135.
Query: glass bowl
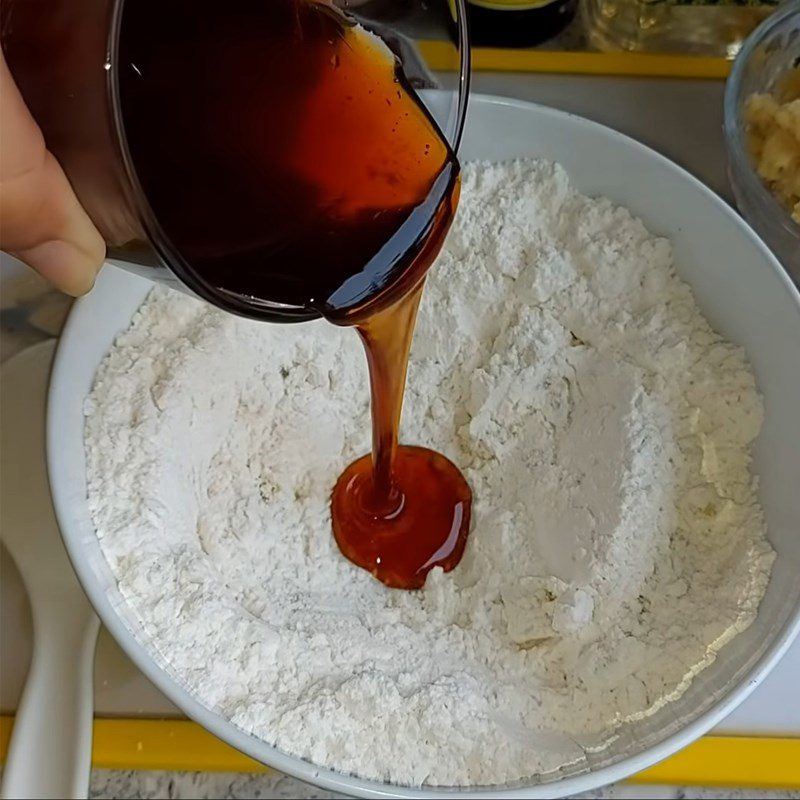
x=769, y=53
x=66, y=59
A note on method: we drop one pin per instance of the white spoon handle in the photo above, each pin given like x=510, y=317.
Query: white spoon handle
x=51, y=744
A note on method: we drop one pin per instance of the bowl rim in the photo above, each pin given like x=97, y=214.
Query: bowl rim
x=733, y=123
x=352, y=785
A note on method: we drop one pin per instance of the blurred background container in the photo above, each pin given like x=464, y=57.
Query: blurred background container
x=699, y=27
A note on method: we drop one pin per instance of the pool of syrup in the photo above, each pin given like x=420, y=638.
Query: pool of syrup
x=400, y=511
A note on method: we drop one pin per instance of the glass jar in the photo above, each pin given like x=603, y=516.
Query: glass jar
x=696, y=27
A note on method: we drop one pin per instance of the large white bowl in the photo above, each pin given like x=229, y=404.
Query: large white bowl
x=740, y=287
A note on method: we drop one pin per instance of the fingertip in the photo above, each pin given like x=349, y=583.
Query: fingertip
x=68, y=267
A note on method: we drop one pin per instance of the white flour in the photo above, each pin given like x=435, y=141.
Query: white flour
x=617, y=541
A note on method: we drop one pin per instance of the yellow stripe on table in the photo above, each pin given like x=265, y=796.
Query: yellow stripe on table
x=184, y=746
x=442, y=56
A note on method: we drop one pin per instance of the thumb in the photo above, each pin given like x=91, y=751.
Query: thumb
x=41, y=220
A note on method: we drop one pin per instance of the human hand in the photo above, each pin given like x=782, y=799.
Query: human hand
x=41, y=221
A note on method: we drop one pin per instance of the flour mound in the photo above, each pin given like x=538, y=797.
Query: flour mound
x=605, y=430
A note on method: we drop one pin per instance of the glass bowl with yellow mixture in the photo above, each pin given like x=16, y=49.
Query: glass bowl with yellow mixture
x=762, y=129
